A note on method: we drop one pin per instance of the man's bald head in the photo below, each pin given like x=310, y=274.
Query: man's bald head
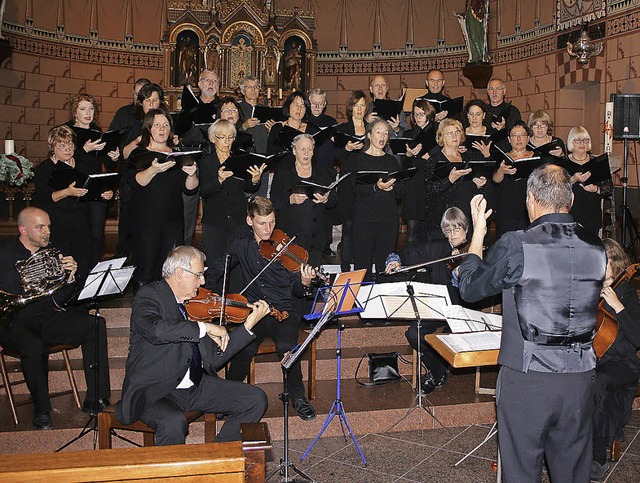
x=378, y=87
x=34, y=227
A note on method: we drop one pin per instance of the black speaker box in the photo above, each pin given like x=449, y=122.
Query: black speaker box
x=626, y=116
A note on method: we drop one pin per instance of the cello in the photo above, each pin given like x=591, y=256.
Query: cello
x=606, y=324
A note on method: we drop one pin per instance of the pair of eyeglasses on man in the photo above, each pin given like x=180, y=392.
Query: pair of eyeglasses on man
x=196, y=274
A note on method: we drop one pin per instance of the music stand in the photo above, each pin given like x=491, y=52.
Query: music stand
x=289, y=359
x=347, y=292
x=106, y=278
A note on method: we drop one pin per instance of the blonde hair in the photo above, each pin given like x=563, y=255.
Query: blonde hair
x=60, y=134
x=574, y=133
x=448, y=123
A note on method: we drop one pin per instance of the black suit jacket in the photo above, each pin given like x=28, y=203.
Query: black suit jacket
x=160, y=350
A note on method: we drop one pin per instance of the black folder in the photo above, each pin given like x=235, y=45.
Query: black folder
x=453, y=106
x=188, y=100
x=372, y=177
x=443, y=168
x=142, y=158
x=503, y=114
x=399, y=145
x=387, y=108
x=96, y=184
x=286, y=135
x=238, y=164
x=324, y=133
x=469, y=139
x=597, y=166
x=340, y=139
x=523, y=166
x=545, y=149
x=243, y=142
x=309, y=188
x=266, y=113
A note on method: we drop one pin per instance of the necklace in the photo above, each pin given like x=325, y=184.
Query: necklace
x=579, y=160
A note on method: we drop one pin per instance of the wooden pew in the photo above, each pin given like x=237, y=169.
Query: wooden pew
x=238, y=461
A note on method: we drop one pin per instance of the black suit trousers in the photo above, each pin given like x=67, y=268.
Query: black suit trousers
x=241, y=403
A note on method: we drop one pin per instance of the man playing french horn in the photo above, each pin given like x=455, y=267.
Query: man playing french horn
x=44, y=321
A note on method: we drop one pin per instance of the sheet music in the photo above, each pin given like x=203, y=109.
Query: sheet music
x=114, y=283
x=462, y=319
x=400, y=307
x=371, y=298
x=474, y=341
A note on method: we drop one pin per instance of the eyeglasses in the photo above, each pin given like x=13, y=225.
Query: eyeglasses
x=581, y=140
x=452, y=134
x=519, y=135
x=420, y=114
x=195, y=274
x=252, y=87
x=495, y=89
x=231, y=110
x=229, y=138
x=540, y=125
x=68, y=145
x=319, y=105
x=452, y=231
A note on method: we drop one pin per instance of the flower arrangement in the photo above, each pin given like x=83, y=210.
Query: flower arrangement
x=15, y=170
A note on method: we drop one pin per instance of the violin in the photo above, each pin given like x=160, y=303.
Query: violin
x=206, y=306
x=606, y=323
x=453, y=263
x=292, y=257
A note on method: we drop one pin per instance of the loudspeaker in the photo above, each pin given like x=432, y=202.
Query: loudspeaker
x=626, y=116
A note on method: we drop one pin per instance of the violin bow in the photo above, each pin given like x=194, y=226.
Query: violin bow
x=225, y=281
x=268, y=264
x=424, y=264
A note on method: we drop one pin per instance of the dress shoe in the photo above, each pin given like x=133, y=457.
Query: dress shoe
x=328, y=253
x=43, y=421
x=91, y=407
x=598, y=471
x=430, y=384
x=304, y=409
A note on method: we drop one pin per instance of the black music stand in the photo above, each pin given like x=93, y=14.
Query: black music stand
x=289, y=359
x=103, y=280
x=348, y=304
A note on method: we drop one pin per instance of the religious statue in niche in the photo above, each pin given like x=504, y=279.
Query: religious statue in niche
x=474, y=22
x=212, y=55
x=294, y=53
x=187, y=58
x=241, y=55
x=272, y=59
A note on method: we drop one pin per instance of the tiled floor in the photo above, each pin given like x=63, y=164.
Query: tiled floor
x=425, y=456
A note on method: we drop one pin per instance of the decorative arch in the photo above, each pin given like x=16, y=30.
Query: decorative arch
x=237, y=27
x=173, y=35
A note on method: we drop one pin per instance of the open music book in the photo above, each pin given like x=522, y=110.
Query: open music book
x=462, y=319
x=472, y=341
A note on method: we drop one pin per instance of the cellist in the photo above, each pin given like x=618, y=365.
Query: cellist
x=618, y=370
x=279, y=287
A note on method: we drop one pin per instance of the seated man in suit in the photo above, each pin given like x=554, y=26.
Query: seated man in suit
x=46, y=322
x=172, y=361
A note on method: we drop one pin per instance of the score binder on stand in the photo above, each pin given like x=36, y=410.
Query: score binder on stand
x=341, y=298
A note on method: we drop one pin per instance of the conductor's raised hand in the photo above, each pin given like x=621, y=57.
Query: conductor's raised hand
x=258, y=311
x=479, y=214
x=218, y=334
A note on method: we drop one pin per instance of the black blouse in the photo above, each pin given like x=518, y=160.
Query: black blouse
x=373, y=204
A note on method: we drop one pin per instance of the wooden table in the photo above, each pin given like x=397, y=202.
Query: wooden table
x=457, y=360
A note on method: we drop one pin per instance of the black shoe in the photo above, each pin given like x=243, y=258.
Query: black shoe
x=598, y=471
x=304, y=409
x=328, y=253
x=91, y=407
x=43, y=421
x=430, y=384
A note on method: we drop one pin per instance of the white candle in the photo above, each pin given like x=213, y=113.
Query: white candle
x=268, y=92
x=9, y=146
x=280, y=93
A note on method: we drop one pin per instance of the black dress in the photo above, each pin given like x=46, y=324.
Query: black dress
x=442, y=194
x=308, y=220
x=70, y=220
x=587, y=206
x=224, y=207
x=375, y=214
x=158, y=217
x=617, y=374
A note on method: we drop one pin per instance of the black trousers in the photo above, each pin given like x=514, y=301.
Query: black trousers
x=31, y=338
x=98, y=215
x=76, y=242
x=430, y=357
x=152, y=244
x=241, y=403
x=373, y=240
x=285, y=336
x=346, y=246
x=190, y=215
x=543, y=414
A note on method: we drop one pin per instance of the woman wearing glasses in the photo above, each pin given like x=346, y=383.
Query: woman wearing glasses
x=541, y=128
x=511, y=208
x=224, y=197
x=447, y=185
x=70, y=220
x=157, y=204
x=587, y=196
x=455, y=227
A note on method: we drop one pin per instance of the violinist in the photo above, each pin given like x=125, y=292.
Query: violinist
x=279, y=287
x=618, y=369
x=172, y=362
x=455, y=226
x=308, y=218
